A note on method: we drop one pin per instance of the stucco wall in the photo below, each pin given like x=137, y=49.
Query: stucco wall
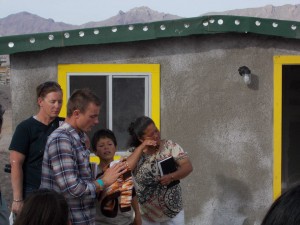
x=225, y=126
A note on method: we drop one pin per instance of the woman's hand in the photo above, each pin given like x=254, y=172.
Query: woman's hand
x=148, y=143
x=166, y=179
x=17, y=207
x=184, y=169
x=138, y=151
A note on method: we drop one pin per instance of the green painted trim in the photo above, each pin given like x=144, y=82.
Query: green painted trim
x=149, y=31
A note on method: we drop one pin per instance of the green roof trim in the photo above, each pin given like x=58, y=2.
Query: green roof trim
x=212, y=24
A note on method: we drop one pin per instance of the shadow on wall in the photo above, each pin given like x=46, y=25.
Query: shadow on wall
x=254, y=85
x=234, y=197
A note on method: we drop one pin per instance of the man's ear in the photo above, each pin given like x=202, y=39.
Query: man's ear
x=76, y=113
x=39, y=100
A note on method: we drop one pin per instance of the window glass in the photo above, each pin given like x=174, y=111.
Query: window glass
x=98, y=85
x=290, y=125
x=128, y=101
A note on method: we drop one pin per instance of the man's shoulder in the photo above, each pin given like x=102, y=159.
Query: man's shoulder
x=60, y=119
x=27, y=123
x=64, y=131
x=29, y=120
x=57, y=122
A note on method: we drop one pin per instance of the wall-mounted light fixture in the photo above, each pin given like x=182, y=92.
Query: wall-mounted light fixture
x=245, y=72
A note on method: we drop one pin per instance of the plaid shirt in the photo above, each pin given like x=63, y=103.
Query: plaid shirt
x=66, y=170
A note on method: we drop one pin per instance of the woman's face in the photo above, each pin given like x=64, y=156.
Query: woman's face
x=105, y=149
x=152, y=133
x=51, y=104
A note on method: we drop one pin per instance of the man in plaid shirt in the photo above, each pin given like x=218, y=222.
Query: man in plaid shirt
x=66, y=159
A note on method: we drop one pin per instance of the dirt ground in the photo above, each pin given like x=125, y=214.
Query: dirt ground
x=5, y=138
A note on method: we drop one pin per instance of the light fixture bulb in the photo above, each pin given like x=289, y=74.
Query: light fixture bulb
x=247, y=78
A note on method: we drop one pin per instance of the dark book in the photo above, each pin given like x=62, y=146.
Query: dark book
x=166, y=166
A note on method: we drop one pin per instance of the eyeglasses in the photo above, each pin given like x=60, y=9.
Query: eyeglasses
x=44, y=86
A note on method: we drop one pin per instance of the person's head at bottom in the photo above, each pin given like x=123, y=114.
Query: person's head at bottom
x=44, y=207
x=286, y=209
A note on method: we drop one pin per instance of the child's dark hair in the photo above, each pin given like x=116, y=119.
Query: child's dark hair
x=137, y=128
x=103, y=133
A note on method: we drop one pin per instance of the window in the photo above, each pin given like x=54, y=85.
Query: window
x=126, y=91
x=286, y=122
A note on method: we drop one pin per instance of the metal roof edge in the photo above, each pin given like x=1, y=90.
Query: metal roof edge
x=211, y=24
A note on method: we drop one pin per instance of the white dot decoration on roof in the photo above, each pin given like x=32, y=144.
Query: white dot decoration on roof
x=32, y=40
x=205, y=23
x=51, y=37
x=162, y=27
x=11, y=44
x=81, y=33
x=256, y=24
x=131, y=27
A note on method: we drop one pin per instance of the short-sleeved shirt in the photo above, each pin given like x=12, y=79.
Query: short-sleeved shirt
x=66, y=170
x=157, y=202
x=30, y=138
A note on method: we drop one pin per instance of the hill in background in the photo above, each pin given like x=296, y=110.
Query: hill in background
x=285, y=12
x=26, y=23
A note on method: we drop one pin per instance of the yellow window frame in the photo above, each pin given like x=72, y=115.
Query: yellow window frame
x=152, y=69
x=279, y=61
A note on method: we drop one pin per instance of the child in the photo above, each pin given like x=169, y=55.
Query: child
x=114, y=204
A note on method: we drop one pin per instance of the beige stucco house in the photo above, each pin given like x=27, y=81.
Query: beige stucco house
x=241, y=137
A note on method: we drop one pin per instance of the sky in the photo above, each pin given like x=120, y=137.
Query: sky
x=78, y=12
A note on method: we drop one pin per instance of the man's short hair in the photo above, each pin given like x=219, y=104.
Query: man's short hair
x=80, y=99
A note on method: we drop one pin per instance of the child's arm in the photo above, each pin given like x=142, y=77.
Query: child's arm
x=137, y=214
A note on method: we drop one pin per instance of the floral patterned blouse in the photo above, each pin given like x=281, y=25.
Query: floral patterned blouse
x=158, y=203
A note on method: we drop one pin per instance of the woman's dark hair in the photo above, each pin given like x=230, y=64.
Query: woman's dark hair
x=45, y=88
x=103, y=133
x=285, y=210
x=137, y=128
x=44, y=207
